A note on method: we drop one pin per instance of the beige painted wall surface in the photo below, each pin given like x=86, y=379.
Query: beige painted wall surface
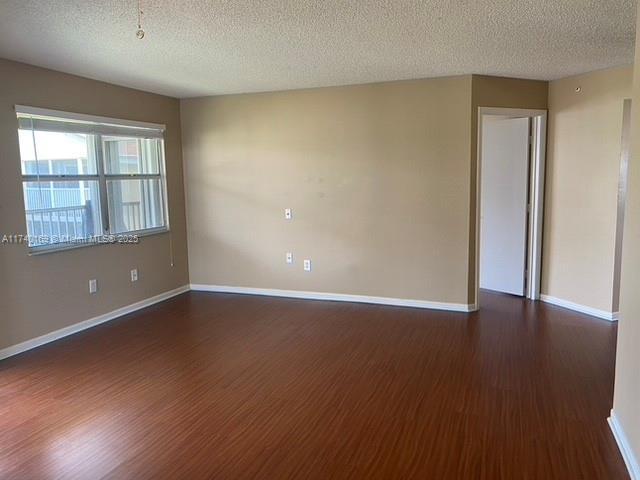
x=626, y=399
x=47, y=292
x=377, y=177
x=583, y=166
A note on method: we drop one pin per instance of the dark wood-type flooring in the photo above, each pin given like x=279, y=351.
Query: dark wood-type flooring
x=240, y=387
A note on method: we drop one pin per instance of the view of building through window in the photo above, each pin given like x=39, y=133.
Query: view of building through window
x=69, y=195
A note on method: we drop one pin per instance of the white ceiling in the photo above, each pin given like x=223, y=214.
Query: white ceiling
x=198, y=47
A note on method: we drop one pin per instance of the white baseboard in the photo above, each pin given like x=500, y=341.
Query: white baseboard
x=611, y=316
x=340, y=297
x=337, y=297
x=625, y=448
x=92, y=322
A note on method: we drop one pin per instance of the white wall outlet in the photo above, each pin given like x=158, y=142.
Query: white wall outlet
x=93, y=285
x=287, y=214
x=307, y=265
x=134, y=275
x=289, y=257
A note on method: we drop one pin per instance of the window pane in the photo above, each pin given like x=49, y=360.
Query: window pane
x=56, y=153
x=124, y=155
x=135, y=204
x=61, y=212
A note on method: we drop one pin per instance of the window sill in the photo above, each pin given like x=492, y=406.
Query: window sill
x=119, y=239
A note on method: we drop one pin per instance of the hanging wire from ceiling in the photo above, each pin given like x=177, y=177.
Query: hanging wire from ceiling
x=140, y=31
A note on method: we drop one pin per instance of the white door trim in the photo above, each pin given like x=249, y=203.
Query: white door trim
x=538, y=159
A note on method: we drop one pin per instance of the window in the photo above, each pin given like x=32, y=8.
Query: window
x=89, y=179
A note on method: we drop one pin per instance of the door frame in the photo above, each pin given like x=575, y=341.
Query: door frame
x=537, y=145
x=623, y=180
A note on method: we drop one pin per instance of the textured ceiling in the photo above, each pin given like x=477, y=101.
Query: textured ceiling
x=194, y=48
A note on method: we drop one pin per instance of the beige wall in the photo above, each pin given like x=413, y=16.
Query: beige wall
x=381, y=179
x=377, y=176
x=47, y=292
x=583, y=165
x=627, y=384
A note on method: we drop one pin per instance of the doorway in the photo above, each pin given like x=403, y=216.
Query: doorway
x=509, y=209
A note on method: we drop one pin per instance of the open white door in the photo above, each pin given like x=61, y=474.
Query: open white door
x=503, y=204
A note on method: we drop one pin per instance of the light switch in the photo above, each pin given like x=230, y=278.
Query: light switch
x=287, y=213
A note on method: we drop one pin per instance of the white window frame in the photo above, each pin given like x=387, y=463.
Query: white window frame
x=99, y=126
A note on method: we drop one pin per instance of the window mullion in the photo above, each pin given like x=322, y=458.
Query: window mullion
x=164, y=194
x=102, y=185
x=58, y=178
x=132, y=176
